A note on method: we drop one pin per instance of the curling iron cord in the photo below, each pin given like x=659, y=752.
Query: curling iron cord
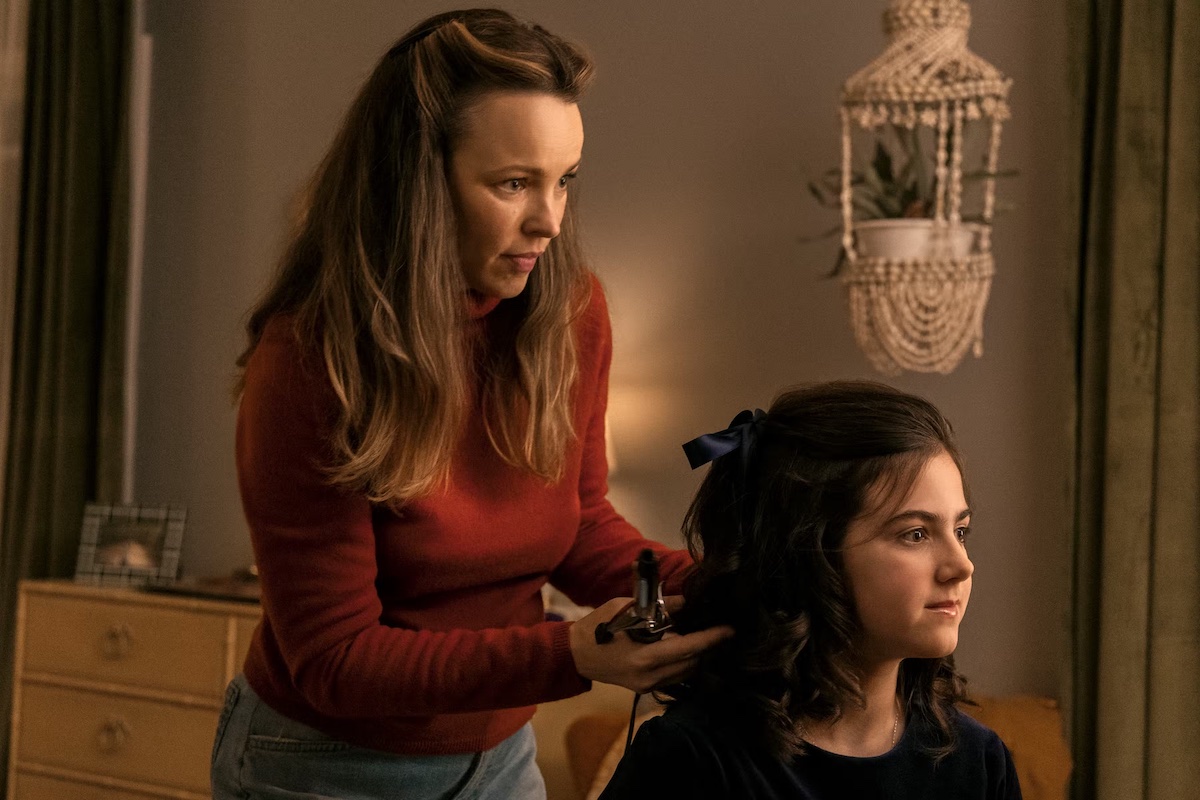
x=632, y=718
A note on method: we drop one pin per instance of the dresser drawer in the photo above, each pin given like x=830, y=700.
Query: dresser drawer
x=136, y=740
x=41, y=787
x=155, y=648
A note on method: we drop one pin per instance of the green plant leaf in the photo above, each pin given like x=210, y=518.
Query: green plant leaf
x=897, y=181
x=873, y=183
x=921, y=177
x=821, y=195
x=833, y=183
x=882, y=163
x=836, y=229
x=839, y=264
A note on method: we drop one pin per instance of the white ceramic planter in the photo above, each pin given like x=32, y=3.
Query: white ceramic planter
x=911, y=239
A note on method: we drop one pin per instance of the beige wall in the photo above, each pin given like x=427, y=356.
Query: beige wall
x=705, y=122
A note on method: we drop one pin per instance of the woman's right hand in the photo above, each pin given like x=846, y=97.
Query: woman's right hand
x=640, y=667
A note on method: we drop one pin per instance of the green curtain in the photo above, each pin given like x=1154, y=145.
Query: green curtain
x=68, y=333
x=1136, y=591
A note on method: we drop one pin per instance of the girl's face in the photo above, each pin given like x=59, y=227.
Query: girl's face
x=509, y=174
x=908, y=570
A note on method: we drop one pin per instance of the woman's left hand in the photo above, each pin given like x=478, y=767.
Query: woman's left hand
x=639, y=667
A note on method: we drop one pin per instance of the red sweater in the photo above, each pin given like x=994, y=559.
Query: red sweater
x=421, y=631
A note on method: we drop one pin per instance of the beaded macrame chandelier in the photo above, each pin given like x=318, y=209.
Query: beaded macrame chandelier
x=922, y=309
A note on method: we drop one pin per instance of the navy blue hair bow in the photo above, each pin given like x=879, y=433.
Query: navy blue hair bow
x=740, y=435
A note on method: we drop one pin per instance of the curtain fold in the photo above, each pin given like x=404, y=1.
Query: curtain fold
x=65, y=409
x=14, y=27
x=1136, y=588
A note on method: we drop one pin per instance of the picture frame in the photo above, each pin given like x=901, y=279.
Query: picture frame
x=130, y=545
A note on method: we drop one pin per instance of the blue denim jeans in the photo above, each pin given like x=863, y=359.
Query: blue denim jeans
x=259, y=754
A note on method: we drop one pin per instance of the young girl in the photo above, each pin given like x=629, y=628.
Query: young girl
x=420, y=441
x=831, y=533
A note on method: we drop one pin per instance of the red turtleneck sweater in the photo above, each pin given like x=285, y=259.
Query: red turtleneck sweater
x=421, y=631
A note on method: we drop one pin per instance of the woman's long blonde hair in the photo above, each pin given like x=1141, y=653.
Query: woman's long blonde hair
x=372, y=272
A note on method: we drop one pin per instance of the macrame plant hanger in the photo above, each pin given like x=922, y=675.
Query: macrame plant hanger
x=923, y=312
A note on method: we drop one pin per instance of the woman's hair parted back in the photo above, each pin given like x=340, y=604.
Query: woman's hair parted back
x=767, y=530
x=372, y=273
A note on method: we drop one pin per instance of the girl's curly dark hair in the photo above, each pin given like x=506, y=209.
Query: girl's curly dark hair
x=766, y=529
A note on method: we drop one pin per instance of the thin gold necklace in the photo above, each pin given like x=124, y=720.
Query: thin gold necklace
x=803, y=729
x=895, y=720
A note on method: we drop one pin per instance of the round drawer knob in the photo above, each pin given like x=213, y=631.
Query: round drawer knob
x=113, y=735
x=117, y=641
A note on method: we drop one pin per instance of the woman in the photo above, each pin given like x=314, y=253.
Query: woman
x=420, y=441
x=833, y=530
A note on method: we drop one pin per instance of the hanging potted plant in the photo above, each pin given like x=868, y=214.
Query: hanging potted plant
x=893, y=203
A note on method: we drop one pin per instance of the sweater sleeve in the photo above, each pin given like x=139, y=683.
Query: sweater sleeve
x=314, y=544
x=599, y=565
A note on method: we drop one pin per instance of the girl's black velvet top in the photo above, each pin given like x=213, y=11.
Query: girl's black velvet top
x=687, y=753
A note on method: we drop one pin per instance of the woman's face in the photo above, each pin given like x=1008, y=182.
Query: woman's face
x=908, y=569
x=509, y=176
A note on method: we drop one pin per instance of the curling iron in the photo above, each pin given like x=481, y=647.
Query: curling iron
x=645, y=618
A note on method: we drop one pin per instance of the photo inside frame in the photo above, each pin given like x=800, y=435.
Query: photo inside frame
x=130, y=545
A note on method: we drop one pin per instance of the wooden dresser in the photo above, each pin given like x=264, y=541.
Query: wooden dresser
x=116, y=692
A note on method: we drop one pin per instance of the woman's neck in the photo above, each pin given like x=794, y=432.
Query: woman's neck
x=479, y=305
x=866, y=731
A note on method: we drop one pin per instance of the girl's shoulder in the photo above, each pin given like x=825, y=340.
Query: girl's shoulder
x=973, y=734
x=979, y=749
x=676, y=753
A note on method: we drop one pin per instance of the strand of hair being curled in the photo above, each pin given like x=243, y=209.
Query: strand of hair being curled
x=769, y=562
x=372, y=275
